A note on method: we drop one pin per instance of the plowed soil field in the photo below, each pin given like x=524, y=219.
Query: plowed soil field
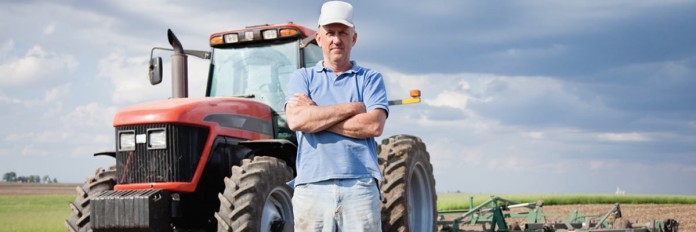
x=36, y=189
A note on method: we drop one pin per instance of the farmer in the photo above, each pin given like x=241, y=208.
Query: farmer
x=336, y=108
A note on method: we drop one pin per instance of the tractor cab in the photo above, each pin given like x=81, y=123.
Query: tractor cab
x=257, y=62
x=252, y=63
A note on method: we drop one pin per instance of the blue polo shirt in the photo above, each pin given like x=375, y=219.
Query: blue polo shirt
x=325, y=155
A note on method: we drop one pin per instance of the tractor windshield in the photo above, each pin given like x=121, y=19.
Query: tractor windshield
x=257, y=72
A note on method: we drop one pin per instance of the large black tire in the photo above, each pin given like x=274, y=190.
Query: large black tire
x=103, y=180
x=257, y=197
x=408, y=191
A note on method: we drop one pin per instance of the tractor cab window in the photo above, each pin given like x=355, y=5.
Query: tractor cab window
x=257, y=72
x=312, y=55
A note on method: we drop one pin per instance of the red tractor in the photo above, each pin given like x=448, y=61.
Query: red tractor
x=222, y=162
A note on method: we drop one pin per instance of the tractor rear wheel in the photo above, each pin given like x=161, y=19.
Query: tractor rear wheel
x=408, y=189
x=257, y=197
x=103, y=180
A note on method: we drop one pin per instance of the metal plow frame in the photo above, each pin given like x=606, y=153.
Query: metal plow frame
x=491, y=215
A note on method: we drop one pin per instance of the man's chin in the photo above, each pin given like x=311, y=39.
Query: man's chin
x=337, y=57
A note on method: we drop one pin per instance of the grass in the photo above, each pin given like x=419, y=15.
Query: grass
x=34, y=212
x=453, y=201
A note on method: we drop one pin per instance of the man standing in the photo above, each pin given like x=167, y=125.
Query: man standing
x=337, y=108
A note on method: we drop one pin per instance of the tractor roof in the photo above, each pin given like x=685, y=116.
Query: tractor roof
x=259, y=33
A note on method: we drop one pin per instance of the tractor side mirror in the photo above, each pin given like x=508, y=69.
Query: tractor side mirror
x=155, y=72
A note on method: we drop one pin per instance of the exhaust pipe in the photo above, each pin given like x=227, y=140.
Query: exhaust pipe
x=179, y=67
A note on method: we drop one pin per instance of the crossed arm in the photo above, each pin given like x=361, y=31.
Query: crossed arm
x=348, y=119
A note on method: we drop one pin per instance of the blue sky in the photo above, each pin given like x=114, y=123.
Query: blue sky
x=519, y=96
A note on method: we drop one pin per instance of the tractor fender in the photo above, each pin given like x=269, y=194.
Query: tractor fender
x=282, y=149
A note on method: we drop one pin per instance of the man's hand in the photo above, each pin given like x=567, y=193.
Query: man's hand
x=301, y=99
x=361, y=126
x=303, y=114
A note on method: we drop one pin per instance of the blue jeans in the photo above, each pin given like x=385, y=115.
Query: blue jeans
x=337, y=205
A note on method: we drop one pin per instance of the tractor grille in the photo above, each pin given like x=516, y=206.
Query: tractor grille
x=175, y=163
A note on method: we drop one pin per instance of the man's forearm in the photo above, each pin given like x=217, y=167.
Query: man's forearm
x=312, y=118
x=360, y=126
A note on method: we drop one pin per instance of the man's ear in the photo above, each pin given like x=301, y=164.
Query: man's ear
x=355, y=37
x=317, y=38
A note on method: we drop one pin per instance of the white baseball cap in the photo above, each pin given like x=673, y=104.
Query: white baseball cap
x=336, y=12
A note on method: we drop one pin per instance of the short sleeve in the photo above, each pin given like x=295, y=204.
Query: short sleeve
x=298, y=84
x=375, y=94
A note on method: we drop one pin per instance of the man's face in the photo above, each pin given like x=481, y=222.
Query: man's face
x=336, y=41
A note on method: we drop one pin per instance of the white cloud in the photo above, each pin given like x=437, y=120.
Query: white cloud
x=450, y=99
x=57, y=93
x=9, y=100
x=624, y=137
x=36, y=65
x=128, y=75
x=445, y=154
x=529, y=53
x=92, y=145
x=534, y=135
x=533, y=99
x=6, y=47
x=93, y=115
x=129, y=78
x=603, y=164
x=55, y=142
x=32, y=150
x=49, y=29
x=511, y=163
x=46, y=136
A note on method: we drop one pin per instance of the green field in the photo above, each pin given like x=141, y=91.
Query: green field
x=34, y=212
x=47, y=212
x=452, y=201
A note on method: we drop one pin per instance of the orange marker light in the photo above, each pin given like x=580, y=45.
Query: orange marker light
x=287, y=32
x=415, y=93
x=216, y=40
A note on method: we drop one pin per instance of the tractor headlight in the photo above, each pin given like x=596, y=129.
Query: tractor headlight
x=270, y=34
x=126, y=140
x=248, y=35
x=231, y=38
x=156, y=138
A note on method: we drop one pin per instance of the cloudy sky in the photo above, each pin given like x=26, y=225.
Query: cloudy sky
x=519, y=96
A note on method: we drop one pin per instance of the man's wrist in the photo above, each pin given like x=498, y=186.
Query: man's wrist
x=358, y=108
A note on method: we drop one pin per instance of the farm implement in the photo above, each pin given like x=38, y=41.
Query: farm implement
x=497, y=214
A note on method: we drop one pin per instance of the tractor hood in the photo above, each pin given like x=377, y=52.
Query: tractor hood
x=195, y=111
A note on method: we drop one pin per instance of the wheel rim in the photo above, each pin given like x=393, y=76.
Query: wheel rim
x=420, y=203
x=278, y=207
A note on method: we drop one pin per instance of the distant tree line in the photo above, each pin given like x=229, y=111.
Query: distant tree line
x=12, y=177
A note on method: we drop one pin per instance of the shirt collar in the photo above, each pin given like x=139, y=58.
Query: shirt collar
x=319, y=67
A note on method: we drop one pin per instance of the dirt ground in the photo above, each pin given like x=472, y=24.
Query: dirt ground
x=642, y=213
x=36, y=189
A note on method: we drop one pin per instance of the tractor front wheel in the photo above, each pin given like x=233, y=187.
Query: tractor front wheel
x=408, y=189
x=103, y=180
x=257, y=197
